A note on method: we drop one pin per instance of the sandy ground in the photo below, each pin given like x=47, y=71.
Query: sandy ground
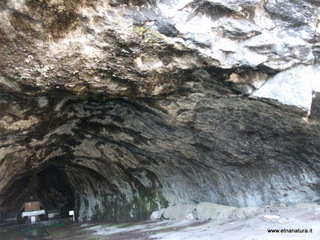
x=254, y=228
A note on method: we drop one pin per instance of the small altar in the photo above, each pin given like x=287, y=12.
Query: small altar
x=32, y=211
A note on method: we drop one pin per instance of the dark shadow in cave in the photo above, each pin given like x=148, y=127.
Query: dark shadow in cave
x=315, y=107
x=54, y=191
x=50, y=187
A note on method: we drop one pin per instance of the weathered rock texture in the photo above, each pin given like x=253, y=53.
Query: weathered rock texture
x=118, y=108
x=206, y=211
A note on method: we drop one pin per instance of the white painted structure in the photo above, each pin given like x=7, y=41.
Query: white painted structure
x=33, y=214
x=71, y=213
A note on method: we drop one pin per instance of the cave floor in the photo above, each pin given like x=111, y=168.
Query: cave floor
x=253, y=228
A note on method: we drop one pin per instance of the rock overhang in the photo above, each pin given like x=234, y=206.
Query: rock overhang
x=137, y=103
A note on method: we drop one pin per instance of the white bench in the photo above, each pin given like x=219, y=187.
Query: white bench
x=33, y=214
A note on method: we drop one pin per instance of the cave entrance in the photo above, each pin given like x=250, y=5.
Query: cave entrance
x=53, y=190
x=48, y=189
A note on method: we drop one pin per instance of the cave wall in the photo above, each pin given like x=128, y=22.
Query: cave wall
x=124, y=107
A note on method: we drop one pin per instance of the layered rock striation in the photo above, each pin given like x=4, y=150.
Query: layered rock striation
x=125, y=107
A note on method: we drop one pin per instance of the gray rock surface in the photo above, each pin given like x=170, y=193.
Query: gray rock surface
x=157, y=214
x=124, y=107
x=132, y=49
x=206, y=211
x=179, y=212
x=213, y=211
x=294, y=86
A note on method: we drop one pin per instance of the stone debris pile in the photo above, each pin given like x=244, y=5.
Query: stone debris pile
x=206, y=211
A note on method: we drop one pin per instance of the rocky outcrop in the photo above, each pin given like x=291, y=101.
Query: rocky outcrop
x=118, y=108
x=206, y=211
x=123, y=48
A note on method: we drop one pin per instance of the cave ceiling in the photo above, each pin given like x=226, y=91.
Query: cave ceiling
x=124, y=107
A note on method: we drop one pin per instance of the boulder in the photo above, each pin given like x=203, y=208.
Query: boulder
x=213, y=211
x=157, y=214
x=292, y=87
x=179, y=212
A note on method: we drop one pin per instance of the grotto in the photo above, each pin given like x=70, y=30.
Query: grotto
x=116, y=109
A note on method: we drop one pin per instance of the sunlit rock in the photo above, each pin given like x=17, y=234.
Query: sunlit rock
x=179, y=212
x=293, y=87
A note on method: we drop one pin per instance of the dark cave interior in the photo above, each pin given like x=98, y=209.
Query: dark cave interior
x=54, y=190
x=49, y=186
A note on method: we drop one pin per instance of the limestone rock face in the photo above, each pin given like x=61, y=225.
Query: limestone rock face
x=179, y=212
x=212, y=211
x=207, y=211
x=294, y=86
x=119, y=108
x=136, y=48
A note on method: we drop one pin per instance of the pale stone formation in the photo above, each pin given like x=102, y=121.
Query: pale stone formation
x=178, y=212
x=157, y=214
x=213, y=211
x=206, y=211
x=294, y=86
